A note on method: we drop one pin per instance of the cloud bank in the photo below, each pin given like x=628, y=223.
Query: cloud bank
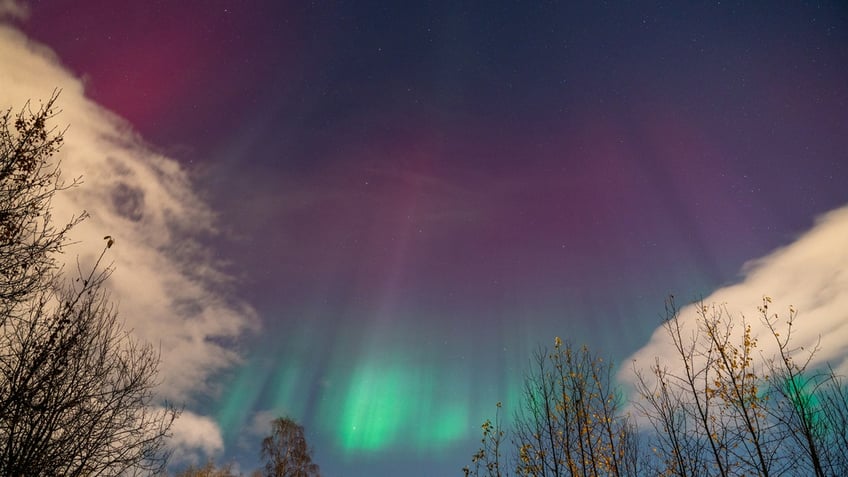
x=193, y=435
x=166, y=284
x=810, y=274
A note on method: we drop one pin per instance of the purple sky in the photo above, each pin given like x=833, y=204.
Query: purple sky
x=412, y=197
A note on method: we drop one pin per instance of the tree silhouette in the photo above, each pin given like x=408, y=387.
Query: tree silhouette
x=734, y=410
x=569, y=422
x=719, y=405
x=286, y=452
x=76, y=389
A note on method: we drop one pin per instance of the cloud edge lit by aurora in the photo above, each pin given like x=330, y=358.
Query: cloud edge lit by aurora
x=810, y=274
x=166, y=286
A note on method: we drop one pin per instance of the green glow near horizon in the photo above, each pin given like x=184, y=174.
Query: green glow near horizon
x=375, y=408
x=448, y=425
x=385, y=402
x=397, y=389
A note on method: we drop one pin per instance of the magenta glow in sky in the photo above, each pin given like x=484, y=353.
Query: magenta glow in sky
x=413, y=196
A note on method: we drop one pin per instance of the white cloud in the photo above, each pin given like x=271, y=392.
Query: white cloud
x=195, y=439
x=810, y=274
x=167, y=286
x=260, y=423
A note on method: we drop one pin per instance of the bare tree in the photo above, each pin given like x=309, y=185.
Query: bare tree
x=711, y=418
x=734, y=410
x=688, y=431
x=488, y=459
x=569, y=423
x=286, y=452
x=833, y=416
x=809, y=404
x=719, y=405
x=76, y=389
x=29, y=240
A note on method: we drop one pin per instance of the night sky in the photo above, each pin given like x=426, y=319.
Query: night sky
x=413, y=195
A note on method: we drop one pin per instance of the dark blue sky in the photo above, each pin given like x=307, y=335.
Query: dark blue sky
x=414, y=194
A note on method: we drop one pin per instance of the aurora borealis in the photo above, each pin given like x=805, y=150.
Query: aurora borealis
x=414, y=195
